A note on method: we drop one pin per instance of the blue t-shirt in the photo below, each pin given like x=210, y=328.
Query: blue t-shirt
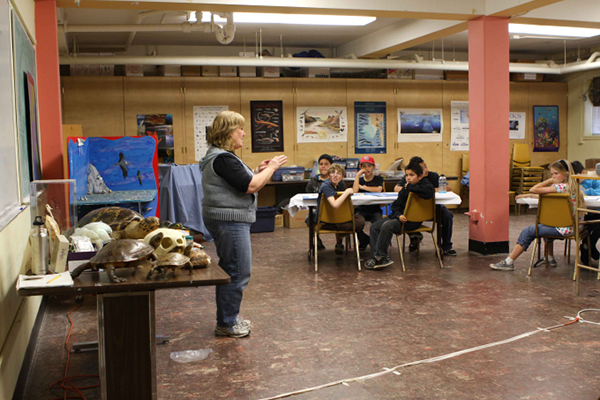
x=328, y=190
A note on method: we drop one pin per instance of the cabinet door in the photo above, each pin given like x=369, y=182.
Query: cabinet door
x=373, y=90
x=422, y=94
x=319, y=93
x=207, y=92
x=95, y=103
x=268, y=89
x=155, y=95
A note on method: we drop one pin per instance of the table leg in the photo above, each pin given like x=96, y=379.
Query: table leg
x=126, y=338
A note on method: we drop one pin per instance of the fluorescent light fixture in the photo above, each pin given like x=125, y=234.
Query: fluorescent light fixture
x=192, y=16
x=293, y=19
x=551, y=32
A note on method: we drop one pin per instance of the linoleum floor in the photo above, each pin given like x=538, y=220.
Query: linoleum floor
x=313, y=328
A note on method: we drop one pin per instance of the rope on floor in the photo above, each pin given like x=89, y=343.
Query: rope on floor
x=385, y=371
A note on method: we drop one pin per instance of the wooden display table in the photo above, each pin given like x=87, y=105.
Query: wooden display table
x=126, y=323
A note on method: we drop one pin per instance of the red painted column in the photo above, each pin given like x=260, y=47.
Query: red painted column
x=48, y=84
x=489, y=147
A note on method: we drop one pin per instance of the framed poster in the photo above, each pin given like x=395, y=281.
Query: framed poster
x=516, y=125
x=459, y=129
x=267, y=126
x=370, y=127
x=420, y=125
x=322, y=124
x=546, y=134
x=203, y=119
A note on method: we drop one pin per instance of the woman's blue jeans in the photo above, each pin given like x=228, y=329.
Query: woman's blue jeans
x=234, y=249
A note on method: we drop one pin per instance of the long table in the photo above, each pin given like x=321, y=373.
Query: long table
x=304, y=200
x=126, y=330
x=532, y=202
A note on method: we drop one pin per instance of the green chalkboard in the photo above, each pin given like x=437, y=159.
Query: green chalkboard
x=28, y=137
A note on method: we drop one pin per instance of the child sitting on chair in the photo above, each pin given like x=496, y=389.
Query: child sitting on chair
x=367, y=182
x=330, y=188
x=560, y=182
x=383, y=230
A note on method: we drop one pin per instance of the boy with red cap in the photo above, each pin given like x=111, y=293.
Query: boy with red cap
x=367, y=181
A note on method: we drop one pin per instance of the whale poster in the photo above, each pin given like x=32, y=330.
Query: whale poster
x=420, y=125
x=267, y=126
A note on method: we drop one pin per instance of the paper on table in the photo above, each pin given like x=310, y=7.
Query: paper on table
x=44, y=281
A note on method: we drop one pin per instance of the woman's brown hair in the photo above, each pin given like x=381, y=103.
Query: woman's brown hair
x=225, y=123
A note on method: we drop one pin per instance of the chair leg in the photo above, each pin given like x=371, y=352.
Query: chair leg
x=535, y=245
x=357, y=250
x=568, y=250
x=437, y=251
x=316, y=253
x=401, y=251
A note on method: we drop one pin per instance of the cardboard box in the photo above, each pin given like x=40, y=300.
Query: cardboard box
x=269, y=72
x=134, y=70
x=400, y=73
x=315, y=72
x=191, y=70
x=297, y=221
x=527, y=77
x=425, y=74
x=279, y=221
x=210, y=70
x=169, y=70
x=247, y=72
x=228, y=71
x=456, y=75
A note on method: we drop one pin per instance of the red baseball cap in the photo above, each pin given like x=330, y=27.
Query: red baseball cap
x=368, y=159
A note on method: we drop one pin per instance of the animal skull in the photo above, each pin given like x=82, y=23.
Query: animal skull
x=172, y=241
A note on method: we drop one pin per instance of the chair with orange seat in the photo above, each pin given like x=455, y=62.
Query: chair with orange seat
x=419, y=210
x=329, y=215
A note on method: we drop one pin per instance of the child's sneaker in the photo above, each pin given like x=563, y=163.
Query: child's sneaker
x=384, y=262
x=503, y=266
x=236, y=331
x=449, y=252
x=371, y=263
x=339, y=249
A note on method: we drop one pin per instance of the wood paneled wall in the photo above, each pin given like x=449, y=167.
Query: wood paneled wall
x=108, y=106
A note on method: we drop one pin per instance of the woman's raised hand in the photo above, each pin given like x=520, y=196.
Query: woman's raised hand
x=277, y=161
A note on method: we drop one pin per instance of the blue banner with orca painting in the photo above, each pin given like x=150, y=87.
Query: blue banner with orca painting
x=370, y=130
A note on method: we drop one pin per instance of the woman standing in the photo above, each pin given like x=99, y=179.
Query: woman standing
x=560, y=182
x=228, y=209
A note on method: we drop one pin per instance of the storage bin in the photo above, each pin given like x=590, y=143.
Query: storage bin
x=352, y=163
x=292, y=176
x=296, y=170
x=265, y=220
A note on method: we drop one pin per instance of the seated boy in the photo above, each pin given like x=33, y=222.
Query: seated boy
x=330, y=188
x=367, y=181
x=383, y=230
x=313, y=186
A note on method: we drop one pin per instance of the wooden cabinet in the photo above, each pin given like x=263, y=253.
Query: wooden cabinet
x=318, y=93
x=269, y=89
x=155, y=95
x=95, y=103
x=207, y=92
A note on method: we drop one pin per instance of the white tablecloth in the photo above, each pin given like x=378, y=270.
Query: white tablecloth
x=303, y=200
x=532, y=202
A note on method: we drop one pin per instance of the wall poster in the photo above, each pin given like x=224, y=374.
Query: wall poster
x=267, y=126
x=516, y=126
x=322, y=124
x=370, y=127
x=420, y=125
x=160, y=125
x=203, y=119
x=546, y=136
x=459, y=117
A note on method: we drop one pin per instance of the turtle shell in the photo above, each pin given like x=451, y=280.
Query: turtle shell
x=124, y=250
x=172, y=260
x=116, y=217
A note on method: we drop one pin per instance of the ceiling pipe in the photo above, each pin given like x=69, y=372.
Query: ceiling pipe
x=145, y=14
x=324, y=62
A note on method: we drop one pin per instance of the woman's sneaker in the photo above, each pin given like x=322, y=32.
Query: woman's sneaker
x=236, y=331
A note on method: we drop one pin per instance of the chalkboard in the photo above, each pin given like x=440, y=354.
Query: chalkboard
x=9, y=195
x=25, y=78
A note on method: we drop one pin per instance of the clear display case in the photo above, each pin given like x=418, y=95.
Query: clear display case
x=59, y=196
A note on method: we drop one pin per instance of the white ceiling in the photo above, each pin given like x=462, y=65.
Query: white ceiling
x=342, y=39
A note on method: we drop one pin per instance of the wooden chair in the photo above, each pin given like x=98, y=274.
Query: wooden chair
x=524, y=176
x=556, y=210
x=464, y=190
x=419, y=210
x=329, y=215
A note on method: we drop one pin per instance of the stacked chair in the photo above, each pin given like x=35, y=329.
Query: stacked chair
x=524, y=176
